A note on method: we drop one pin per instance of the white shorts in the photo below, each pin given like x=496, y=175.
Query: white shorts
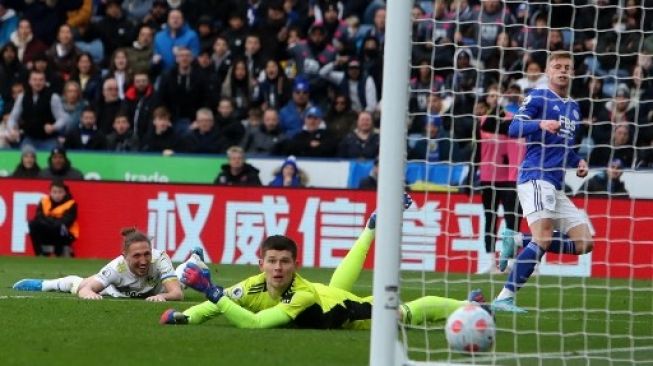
x=540, y=199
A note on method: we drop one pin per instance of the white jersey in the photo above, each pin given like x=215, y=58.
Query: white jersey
x=118, y=275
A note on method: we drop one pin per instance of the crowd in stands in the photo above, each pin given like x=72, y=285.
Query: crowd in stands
x=304, y=77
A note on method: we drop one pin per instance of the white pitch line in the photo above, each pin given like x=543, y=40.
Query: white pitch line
x=549, y=355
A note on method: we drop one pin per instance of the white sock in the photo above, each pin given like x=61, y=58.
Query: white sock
x=505, y=293
x=64, y=284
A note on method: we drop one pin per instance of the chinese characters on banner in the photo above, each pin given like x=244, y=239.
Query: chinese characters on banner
x=441, y=232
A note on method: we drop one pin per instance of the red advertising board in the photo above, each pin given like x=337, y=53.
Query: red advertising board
x=442, y=232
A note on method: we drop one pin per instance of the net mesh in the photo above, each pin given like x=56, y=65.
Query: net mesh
x=473, y=64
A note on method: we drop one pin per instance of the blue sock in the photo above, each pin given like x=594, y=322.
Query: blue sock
x=524, y=266
x=560, y=243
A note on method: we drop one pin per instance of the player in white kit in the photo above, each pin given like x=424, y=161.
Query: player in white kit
x=140, y=272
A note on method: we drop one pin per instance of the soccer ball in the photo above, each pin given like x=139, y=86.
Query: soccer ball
x=470, y=329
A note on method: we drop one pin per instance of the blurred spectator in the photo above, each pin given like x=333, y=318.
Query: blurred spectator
x=119, y=70
x=114, y=29
x=314, y=140
x=108, y=105
x=493, y=19
x=288, y=175
x=86, y=136
x=433, y=145
x=8, y=22
x=203, y=136
x=512, y=98
x=310, y=55
x=8, y=104
x=619, y=146
x=205, y=32
x=59, y=166
x=641, y=98
x=352, y=82
x=371, y=58
x=534, y=36
x=534, y=78
x=157, y=16
x=53, y=79
x=378, y=26
x=81, y=17
x=221, y=59
x=607, y=182
x=55, y=223
x=122, y=138
x=371, y=181
x=254, y=58
x=230, y=129
x=236, y=31
x=162, y=138
x=336, y=28
x=175, y=36
x=63, y=53
x=498, y=162
x=591, y=103
x=504, y=60
x=292, y=114
x=87, y=76
x=435, y=37
x=363, y=141
x=5, y=133
x=139, y=55
x=340, y=118
x=237, y=172
x=424, y=83
x=274, y=88
x=73, y=105
x=267, y=138
x=28, y=45
x=140, y=101
x=434, y=107
x=136, y=10
x=253, y=120
x=274, y=30
x=37, y=114
x=11, y=70
x=47, y=15
x=239, y=86
x=182, y=90
x=28, y=167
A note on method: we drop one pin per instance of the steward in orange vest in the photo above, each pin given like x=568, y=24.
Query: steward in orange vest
x=55, y=223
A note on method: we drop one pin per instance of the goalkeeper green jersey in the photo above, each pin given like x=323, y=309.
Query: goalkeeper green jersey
x=310, y=305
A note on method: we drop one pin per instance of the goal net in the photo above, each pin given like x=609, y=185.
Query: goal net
x=472, y=65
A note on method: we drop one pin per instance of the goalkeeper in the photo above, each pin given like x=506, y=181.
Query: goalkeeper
x=280, y=297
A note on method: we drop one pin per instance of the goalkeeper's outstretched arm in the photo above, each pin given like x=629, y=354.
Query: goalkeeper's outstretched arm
x=273, y=317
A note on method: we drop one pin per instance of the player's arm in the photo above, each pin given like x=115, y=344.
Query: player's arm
x=237, y=315
x=90, y=289
x=172, y=289
x=523, y=123
x=171, y=286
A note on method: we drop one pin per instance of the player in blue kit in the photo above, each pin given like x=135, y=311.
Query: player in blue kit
x=547, y=119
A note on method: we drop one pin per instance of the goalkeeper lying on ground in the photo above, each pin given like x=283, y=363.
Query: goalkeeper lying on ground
x=280, y=297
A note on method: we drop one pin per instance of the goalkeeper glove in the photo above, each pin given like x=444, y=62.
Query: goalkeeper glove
x=200, y=279
x=371, y=222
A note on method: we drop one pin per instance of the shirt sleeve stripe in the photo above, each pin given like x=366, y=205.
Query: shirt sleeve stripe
x=163, y=278
x=522, y=116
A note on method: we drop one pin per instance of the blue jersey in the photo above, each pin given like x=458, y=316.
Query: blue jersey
x=547, y=154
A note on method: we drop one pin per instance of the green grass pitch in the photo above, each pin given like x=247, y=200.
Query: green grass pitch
x=59, y=329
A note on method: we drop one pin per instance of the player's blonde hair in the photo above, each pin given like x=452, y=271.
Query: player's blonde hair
x=556, y=55
x=132, y=235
